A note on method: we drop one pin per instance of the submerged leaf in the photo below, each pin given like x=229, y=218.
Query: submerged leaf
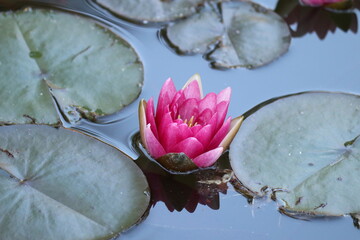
x=305, y=148
x=151, y=10
x=248, y=35
x=58, y=184
x=86, y=66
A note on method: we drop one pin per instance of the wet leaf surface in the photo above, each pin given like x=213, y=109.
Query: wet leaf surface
x=246, y=34
x=145, y=11
x=89, y=70
x=305, y=150
x=59, y=184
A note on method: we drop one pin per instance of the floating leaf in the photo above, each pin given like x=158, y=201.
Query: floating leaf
x=305, y=149
x=250, y=35
x=87, y=67
x=196, y=33
x=59, y=184
x=151, y=10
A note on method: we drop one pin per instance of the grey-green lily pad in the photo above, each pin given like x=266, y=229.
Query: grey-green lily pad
x=305, y=150
x=90, y=70
x=154, y=11
x=247, y=34
x=60, y=184
x=196, y=33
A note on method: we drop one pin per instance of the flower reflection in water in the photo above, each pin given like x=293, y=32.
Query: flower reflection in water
x=321, y=20
x=185, y=191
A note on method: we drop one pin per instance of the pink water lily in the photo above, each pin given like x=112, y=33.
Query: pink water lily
x=186, y=122
x=320, y=2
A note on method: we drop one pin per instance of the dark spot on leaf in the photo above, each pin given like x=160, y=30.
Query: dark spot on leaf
x=351, y=142
x=298, y=201
x=310, y=164
x=339, y=179
x=9, y=154
x=35, y=54
x=320, y=206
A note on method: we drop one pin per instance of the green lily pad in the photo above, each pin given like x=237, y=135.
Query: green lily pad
x=305, y=150
x=247, y=35
x=155, y=11
x=89, y=70
x=196, y=33
x=59, y=184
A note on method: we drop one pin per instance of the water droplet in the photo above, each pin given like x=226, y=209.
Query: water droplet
x=35, y=54
x=301, y=112
x=289, y=154
x=237, y=31
x=41, y=94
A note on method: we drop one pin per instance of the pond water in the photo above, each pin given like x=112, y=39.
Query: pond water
x=330, y=64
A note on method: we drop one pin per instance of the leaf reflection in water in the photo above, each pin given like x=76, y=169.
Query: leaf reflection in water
x=319, y=20
x=185, y=191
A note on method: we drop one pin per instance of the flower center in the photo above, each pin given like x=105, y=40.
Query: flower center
x=191, y=122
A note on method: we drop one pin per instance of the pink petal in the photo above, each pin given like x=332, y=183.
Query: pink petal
x=209, y=101
x=204, y=117
x=221, y=109
x=195, y=78
x=185, y=131
x=193, y=90
x=163, y=123
x=150, y=116
x=166, y=95
x=195, y=129
x=205, y=135
x=178, y=99
x=208, y=158
x=170, y=136
x=188, y=109
x=319, y=2
x=224, y=95
x=190, y=146
x=219, y=136
x=154, y=148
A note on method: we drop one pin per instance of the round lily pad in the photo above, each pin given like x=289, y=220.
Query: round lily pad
x=247, y=34
x=154, y=11
x=60, y=184
x=88, y=70
x=305, y=150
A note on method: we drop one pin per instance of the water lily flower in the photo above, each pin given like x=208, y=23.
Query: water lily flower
x=316, y=3
x=187, y=123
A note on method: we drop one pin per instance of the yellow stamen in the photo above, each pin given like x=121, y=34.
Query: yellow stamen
x=190, y=124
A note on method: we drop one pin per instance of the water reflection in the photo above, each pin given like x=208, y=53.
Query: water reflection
x=185, y=191
x=319, y=20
